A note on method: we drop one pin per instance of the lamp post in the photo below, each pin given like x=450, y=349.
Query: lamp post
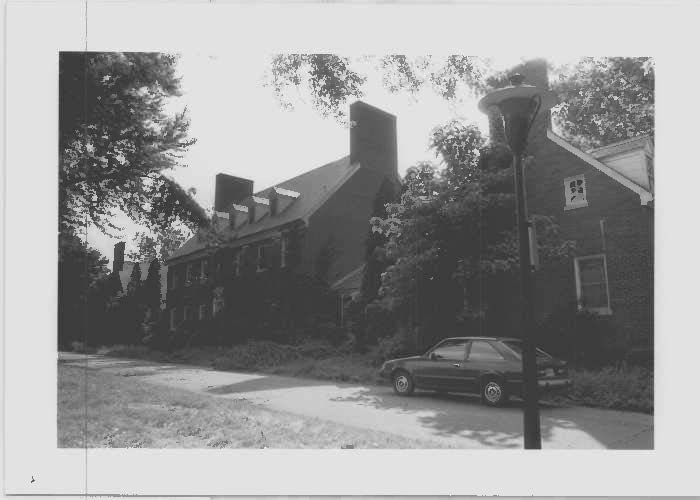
x=519, y=105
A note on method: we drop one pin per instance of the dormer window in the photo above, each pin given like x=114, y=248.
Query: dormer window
x=575, y=193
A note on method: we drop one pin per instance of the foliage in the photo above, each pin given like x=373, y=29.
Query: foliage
x=606, y=99
x=116, y=142
x=452, y=239
x=81, y=281
x=616, y=388
x=330, y=80
x=158, y=245
x=583, y=338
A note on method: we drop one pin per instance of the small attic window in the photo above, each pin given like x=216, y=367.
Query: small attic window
x=575, y=193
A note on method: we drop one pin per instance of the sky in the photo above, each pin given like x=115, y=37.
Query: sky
x=241, y=129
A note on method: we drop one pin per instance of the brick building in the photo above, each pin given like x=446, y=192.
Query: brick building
x=603, y=200
x=321, y=217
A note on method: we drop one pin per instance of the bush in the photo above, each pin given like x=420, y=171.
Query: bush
x=583, y=338
x=400, y=344
x=621, y=389
x=255, y=355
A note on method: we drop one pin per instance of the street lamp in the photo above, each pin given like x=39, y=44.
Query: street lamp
x=519, y=105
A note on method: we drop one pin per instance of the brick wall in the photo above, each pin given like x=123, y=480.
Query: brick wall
x=627, y=241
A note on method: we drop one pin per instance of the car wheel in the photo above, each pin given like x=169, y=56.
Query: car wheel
x=403, y=383
x=493, y=392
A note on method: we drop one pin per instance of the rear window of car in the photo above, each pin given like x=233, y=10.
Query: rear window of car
x=483, y=351
x=451, y=350
x=518, y=348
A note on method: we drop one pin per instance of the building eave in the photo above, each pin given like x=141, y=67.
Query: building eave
x=645, y=196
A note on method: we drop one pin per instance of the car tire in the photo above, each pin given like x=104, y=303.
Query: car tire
x=402, y=383
x=493, y=392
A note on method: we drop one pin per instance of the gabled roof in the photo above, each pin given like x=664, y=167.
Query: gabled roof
x=639, y=142
x=645, y=196
x=314, y=188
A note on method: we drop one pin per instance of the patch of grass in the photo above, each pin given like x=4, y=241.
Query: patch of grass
x=124, y=413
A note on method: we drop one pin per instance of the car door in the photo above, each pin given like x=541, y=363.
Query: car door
x=440, y=368
x=482, y=358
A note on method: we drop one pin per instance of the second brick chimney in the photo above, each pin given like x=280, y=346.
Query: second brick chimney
x=230, y=190
x=373, y=138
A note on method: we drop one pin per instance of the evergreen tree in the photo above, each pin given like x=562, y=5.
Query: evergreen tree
x=152, y=288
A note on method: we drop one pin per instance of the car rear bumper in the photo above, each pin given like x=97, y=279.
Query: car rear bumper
x=557, y=383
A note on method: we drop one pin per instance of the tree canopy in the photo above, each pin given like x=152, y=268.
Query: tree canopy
x=116, y=141
x=605, y=100
x=451, y=239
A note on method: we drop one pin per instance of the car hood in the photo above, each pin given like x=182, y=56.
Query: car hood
x=409, y=358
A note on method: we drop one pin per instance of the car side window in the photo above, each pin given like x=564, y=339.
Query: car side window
x=452, y=351
x=483, y=351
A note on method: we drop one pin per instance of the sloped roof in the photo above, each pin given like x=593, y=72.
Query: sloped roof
x=639, y=142
x=645, y=196
x=314, y=188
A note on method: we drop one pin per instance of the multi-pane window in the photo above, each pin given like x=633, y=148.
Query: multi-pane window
x=202, y=312
x=483, y=351
x=284, y=245
x=204, y=269
x=575, y=192
x=188, y=313
x=592, y=289
x=237, y=263
x=173, y=318
x=174, y=279
x=263, y=256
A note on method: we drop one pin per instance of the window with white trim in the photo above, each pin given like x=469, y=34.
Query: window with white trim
x=188, y=313
x=575, y=192
x=202, y=313
x=592, y=290
x=284, y=245
x=237, y=263
x=173, y=318
x=263, y=256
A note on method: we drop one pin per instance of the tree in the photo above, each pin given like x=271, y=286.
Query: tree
x=330, y=80
x=605, y=100
x=134, y=285
x=116, y=142
x=152, y=289
x=158, y=245
x=451, y=238
x=81, y=270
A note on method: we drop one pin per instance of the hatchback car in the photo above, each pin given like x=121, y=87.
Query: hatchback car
x=488, y=366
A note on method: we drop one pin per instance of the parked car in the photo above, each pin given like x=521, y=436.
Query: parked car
x=488, y=366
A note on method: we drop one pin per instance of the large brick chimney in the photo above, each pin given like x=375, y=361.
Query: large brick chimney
x=230, y=190
x=373, y=138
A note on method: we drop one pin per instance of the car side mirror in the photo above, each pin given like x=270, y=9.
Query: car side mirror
x=433, y=356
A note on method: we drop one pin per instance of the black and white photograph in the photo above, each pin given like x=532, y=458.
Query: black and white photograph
x=381, y=251
x=349, y=248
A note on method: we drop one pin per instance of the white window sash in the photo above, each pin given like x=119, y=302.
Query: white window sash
x=579, y=286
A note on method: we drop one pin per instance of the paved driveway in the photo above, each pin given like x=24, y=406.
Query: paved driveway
x=458, y=421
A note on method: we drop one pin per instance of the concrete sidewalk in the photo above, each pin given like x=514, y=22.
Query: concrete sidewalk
x=455, y=420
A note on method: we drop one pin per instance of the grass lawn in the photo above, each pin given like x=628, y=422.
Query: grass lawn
x=126, y=412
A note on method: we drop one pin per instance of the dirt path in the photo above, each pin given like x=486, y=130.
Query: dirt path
x=458, y=420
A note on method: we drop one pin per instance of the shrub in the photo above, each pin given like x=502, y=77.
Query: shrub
x=400, y=344
x=621, y=389
x=584, y=338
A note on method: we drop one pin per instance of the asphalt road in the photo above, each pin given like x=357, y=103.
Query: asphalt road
x=456, y=420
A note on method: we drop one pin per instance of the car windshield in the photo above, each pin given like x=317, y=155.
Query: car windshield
x=517, y=346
